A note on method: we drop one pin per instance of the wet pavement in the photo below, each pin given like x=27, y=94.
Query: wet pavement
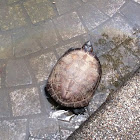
x=35, y=33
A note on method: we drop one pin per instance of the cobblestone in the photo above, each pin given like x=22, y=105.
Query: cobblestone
x=17, y=73
x=125, y=62
x=25, y=101
x=47, y=36
x=13, y=129
x=45, y=128
x=110, y=7
x=26, y=41
x=92, y=16
x=6, y=49
x=11, y=17
x=42, y=65
x=39, y=10
x=4, y=104
x=69, y=26
x=64, y=6
x=131, y=11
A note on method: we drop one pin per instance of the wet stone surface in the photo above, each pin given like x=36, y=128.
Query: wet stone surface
x=26, y=41
x=39, y=10
x=124, y=61
x=64, y=6
x=133, y=13
x=69, y=26
x=6, y=48
x=109, y=7
x=115, y=30
x=45, y=128
x=17, y=73
x=92, y=16
x=13, y=129
x=11, y=17
x=4, y=105
x=47, y=35
x=110, y=76
x=63, y=49
x=25, y=101
x=42, y=65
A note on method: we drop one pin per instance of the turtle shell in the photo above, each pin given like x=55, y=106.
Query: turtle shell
x=74, y=78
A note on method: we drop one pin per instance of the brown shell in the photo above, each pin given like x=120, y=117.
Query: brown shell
x=74, y=78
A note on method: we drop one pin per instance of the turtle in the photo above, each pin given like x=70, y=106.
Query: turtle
x=74, y=78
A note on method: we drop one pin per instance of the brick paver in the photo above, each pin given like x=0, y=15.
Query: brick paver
x=35, y=33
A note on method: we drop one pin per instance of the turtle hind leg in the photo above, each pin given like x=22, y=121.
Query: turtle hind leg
x=78, y=111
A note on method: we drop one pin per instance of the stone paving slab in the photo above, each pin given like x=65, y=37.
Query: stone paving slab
x=17, y=73
x=92, y=16
x=42, y=65
x=13, y=129
x=39, y=10
x=4, y=104
x=6, y=48
x=25, y=41
x=64, y=6
x=131, y=11
x=109, y=7
x=69, y=26
x=11, y=17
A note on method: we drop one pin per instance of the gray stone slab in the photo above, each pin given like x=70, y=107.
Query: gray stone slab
x=42, y=65
x=69, y=26
x=12, y=1
x=6, y=48
x=2, y=69
x=45, y=128
x=61, y=50
x=131, y=11
x=116, y=30
x=64, y=6
x=102, y=44
x=13, y=129
x=11, y=17
x=110, y=7
x=92, y=16
x=17, y=73
x=48, y=37
x=26, y=41
x=39, y=10
x=4, y=104
x=25, y=101
x=98, y=99
x=124, y=61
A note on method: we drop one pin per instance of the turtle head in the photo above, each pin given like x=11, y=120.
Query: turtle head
x=88, y=47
